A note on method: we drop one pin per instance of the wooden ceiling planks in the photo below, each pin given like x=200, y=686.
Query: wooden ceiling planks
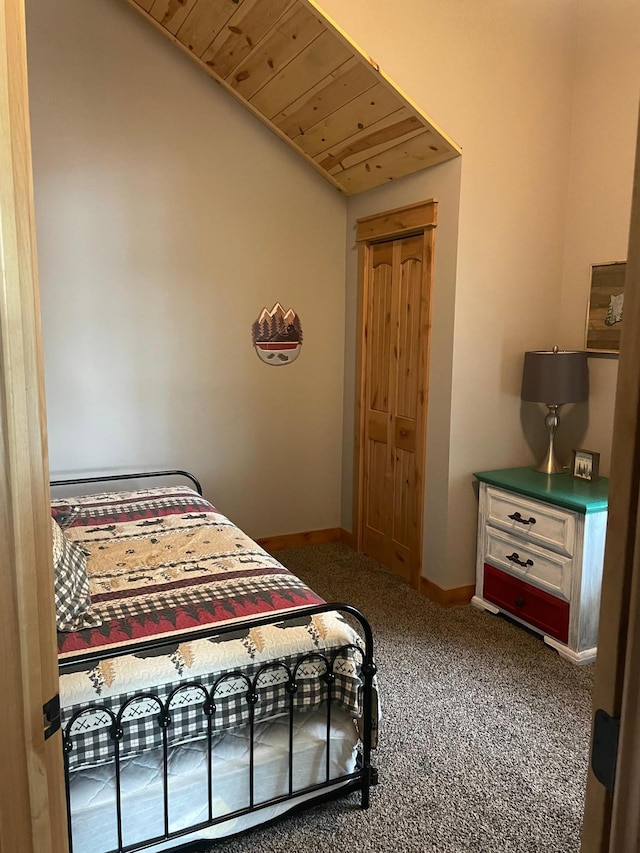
x=293, y=68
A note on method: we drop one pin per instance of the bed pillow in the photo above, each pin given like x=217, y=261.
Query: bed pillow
x=71, y=584
x=65, y=514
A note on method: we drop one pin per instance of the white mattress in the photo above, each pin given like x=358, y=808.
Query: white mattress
x=93, y=794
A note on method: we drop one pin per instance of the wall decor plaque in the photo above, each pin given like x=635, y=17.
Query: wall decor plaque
x=606, y=304
x=277, y=336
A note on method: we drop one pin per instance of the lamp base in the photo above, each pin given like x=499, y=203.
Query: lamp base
x=550, y=464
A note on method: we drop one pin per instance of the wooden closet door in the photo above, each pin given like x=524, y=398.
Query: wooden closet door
x=396, y=304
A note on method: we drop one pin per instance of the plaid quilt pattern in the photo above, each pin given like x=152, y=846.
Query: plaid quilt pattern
x=164, y=563
x=71, y=584
x=91, y=734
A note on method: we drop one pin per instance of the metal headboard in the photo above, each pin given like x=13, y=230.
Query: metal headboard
x=134, y=476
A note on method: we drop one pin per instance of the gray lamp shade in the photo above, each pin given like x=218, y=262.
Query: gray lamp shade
x=555, y=377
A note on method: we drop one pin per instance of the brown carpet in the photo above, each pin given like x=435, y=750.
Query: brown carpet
x=485, y=735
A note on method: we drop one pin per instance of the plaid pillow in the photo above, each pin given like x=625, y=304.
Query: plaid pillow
x=71, y=584
x=65, y=514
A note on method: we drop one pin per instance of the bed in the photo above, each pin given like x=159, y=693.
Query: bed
x=204, y=688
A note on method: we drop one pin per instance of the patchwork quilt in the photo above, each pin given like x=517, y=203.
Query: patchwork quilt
x=164, y=563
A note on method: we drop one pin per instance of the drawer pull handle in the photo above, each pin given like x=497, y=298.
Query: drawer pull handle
x=515, y=558
x=520, y=601
x=517, y=517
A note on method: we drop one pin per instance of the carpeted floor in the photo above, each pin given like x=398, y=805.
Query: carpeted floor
x=484, y=741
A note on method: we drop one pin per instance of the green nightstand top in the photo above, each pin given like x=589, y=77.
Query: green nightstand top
x=561, y=489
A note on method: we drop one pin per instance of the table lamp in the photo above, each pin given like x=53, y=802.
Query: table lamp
x=554, y=377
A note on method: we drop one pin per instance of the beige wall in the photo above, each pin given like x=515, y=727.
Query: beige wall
x=167, y=218
x=497, y=77
x=603, y=142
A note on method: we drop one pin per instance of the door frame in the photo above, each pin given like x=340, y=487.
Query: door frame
x=413, y=219
x=32, y=799
x=612, y=822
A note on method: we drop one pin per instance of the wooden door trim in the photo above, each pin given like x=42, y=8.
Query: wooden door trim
x=32, y=810
x=399, y=222
x=423, y=384
x=364, y=252
x=625, y=808
x=420, y=217
x=612, y=823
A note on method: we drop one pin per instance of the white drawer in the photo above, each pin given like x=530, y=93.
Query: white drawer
x=532, y=521
x=536, y=565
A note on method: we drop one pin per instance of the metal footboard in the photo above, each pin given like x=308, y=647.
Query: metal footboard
x=360, y=779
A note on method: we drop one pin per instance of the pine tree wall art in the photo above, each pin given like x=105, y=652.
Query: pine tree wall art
x=277, y=336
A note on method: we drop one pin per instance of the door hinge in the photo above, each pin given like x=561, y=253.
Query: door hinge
x=604, y=753
x=51, y=712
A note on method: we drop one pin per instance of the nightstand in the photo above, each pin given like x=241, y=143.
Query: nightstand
x=540, y=554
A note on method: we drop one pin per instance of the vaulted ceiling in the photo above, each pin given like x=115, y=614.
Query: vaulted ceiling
x=294, y=69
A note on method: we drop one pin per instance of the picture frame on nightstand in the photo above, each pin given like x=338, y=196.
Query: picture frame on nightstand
x=585, y=464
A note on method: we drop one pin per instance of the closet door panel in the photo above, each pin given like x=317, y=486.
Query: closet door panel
x=403, y=506
x=377, y=504
x=405, y=434
x=410, y=294
x=376, y=543
x=376, y=486
x=379, y=326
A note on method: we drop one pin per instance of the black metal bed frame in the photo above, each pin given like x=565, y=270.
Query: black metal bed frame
x=361, y=779
x=141, y=475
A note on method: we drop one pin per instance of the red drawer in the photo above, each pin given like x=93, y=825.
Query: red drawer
x=532, y=605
